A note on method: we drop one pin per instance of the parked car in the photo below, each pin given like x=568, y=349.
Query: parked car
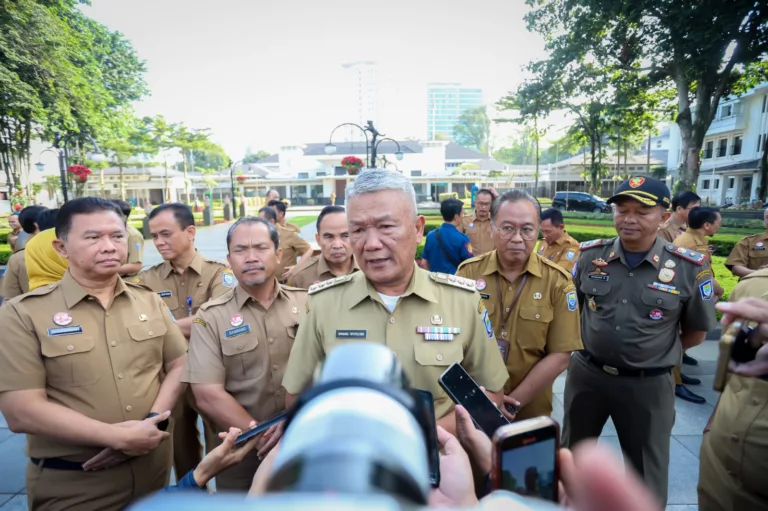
x=579, y=201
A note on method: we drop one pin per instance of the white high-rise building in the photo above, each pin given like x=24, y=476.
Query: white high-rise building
x=364, y=76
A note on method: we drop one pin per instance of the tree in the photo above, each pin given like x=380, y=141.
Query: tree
x=187, y=141
x=159, y=136
x=705, y=51
x=255, y=158
x=473, y=129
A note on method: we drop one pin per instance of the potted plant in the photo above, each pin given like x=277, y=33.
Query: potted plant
x=353, y=164
x=78, y=176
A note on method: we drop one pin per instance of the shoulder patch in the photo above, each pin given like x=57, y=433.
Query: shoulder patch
x=218, y=301
x=696, y=258
x=453, y=280
x=326, y=284
x=705, y=273
x=594, y=243
x=199, y=321
x=228, y=278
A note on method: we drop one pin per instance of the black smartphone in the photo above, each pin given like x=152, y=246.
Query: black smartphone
x=734, y=346
x=260, y=428
x=525, y=458
x=427, y=407
x=463, y=390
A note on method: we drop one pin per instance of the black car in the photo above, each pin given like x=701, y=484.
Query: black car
x=579, y=201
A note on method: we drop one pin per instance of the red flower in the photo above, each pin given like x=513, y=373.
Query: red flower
x=18, y=207
x=352, y=161
x=79, y=171
x=241, y=178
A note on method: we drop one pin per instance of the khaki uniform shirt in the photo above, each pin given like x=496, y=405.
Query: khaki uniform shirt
x=238, y=343
x=204, y=280
x=348, y=309
x=15, y=280
x=135, y=246
x=632, y=317
x=544, y=320
x=13, y=240
x=672, y=229
x=695, y=241
x=104, y=364
x=751, y=252
x=479, y=232
x=313, y=271
x=563, y=252
x=295, y=228
x=293, y=246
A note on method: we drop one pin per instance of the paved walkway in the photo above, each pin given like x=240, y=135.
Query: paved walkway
x=686, y=435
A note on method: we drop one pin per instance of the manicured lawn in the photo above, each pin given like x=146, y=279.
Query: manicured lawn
x=301, y=221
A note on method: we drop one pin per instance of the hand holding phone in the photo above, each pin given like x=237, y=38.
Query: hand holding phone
x=427, y=408
x=259, y=429
x=463, y=390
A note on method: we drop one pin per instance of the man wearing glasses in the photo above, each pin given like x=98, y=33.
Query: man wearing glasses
x=531, y=302
x=478, y=225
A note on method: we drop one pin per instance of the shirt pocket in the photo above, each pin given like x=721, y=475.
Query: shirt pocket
x=69, y=361
x=172, y=301
x=147, y=343
x=241, y=357
x=438, y=354
x=660, y=306
x=532, y=327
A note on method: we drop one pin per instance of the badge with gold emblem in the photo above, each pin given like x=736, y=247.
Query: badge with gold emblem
x=436, y=320
x=666, y=275
x=669, y=263
x=591, y=303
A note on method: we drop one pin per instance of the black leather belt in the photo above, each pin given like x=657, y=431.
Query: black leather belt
x=57, y=464
x=621, y=371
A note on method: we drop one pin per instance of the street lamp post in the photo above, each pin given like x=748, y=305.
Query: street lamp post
x=232, y=184
x=60, y=143
x=371, y=144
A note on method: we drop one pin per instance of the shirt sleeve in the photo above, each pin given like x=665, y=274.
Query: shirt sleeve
x=568, y=258
x=204, y=361
x=576, y=275
x=307, y=352
x=482, y=358
x=135, y=249
x=739, y=256
x=11, y=282
x=564, y=332
x=174, y=342
x=21, y=360
x=427, y=253
x=464, y=251
x=699, y=310
x=666, y=233
x=223, y=280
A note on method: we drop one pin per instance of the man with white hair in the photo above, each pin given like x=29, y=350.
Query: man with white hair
x=430, y=320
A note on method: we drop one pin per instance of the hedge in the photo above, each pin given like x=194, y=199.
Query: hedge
x=728, y=222
x=5, y=253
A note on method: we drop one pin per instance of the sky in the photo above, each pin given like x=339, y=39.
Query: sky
x=266, y=73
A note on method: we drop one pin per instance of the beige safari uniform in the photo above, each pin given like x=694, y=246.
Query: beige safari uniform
x=479, y=232
x=293, y=246
x=238, y=343
x=313, y=271
x=15, y=280
x=672, y=229
x=295, y=228
x=630, y=325
x=544, y=320
x=135, y=246
x=563, y=252
x=751, y=252
x=105, y=364
x=204, y=280
x=734, y=453
x=348, y=309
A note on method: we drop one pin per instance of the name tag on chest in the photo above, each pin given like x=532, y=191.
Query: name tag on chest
x=66, y=330
x=351, y=334
x=164, y=294
x=234, y=332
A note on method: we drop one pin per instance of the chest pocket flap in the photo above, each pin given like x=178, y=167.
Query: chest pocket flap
x=147, y=330
x=239, y=344
x=592, y=287
x=439, y=353
x=66, y=345
x=541, y=314
x=660, y=299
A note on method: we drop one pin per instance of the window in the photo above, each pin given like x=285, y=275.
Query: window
x=731, y=183
x=303, y=175
x=717, y=184
x=321, y=174
x=709, y=149
x=415, y=173
x=737, y=145
x=705, y=184
x=722, y=147
x=658, y=144
x=726, y=111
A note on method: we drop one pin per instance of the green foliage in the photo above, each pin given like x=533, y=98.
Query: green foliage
x=451, y=195
x=473, y=129
x=254, y=158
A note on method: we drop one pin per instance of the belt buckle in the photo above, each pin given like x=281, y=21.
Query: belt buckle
x=611, y=370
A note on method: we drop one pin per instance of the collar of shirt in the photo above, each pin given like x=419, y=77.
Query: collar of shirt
x=562, y=240
x=74, y=292
x=196, y=265
x=617, y=252
x=420, y=285
x=242, y=296
x=476, y=219
x=533, y=266
x=673, y=223
x=449, y=226
x=697, y=236
x=322, y=265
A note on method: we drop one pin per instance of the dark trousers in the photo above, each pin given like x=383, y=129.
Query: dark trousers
x=642, y=409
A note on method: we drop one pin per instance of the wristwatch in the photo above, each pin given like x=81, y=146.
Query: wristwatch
x=162, y=425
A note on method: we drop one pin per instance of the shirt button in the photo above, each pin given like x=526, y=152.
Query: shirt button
x=151, y=332
x=392, y=320
x=624, y=300
x=594, y=290
x=659, y=301
x=107, y=314
x=537, y=316
x=113, y=344
x=631, y=274
x=755, y=401
x=182, y=283
x=439, y=357
x=70, y=347
x=274, y=368
x=618, y=328
x=199, y=284
x=271, y=341
x=734, y=438
x=239, y=346
x=506, y=310
x=510, y=288
x=120, y=376
x=128, y=408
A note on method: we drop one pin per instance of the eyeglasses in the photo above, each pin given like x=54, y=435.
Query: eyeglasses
x=527, y=233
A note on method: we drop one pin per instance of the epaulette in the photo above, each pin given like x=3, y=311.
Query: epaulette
x=595, y=243
x=292, y=288
x=136, y=282
x=453, y=280
x=696, y=258
x=219, y=300
x=326, y=284
x=40, y=291
x=546, y=261
x=216, y=261
x=471, y=260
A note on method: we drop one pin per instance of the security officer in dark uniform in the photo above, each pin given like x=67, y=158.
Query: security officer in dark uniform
x=643, y=301
x=447, y=247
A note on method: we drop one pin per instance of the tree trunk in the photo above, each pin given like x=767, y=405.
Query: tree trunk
x=593, y=163
x=186, y=181
x=649, y=147
x=762, y=190
x=536, y=174
x=101, y=183
x=167, y=188
x=122, y=183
